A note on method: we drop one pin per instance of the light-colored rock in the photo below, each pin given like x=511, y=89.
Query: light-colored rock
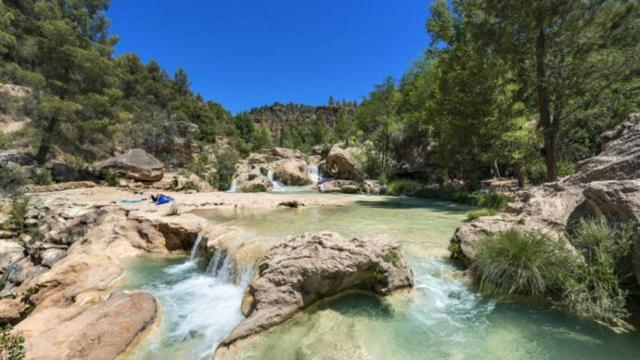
x=303, y=269
x=179, y=182
x=291, y=172
x=342, y=163
x=339, y=186
x=101, y=331
x=620, y=156
x=22, y=270
x=59, y=187
x=10, y=252
x=372, y=187
x=135, y=164
x=52, y=256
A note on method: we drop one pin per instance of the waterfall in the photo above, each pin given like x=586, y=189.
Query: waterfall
x=314, y=173
x=226, y=270
x=277, y=187
x=234, y=186
x=194, y=249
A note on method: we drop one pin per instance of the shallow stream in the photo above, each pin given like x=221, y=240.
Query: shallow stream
x=444, y=318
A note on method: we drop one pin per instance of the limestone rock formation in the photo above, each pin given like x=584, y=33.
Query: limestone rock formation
x=620, y=156
x=101, y=331
x=135, y=164
x=342, y=163
x=306, y=268
x=291, y=171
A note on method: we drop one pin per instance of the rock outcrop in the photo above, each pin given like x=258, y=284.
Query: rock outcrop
x=288, y=167
x=342, y=163
x=100, y=331
x=620, y=156
x=605, y=185
x=134, y=164
x=306, y=268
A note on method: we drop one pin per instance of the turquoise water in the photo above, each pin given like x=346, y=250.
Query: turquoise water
x=443, y=318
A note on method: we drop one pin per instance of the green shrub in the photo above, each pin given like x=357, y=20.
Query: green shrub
x=591, y=283
x=535, y=172
x=3, y=140
x=18, y=212
x=225, y=165
x=190, y=185
x=42, y=177
x=483, y=199
x=405, y=187
x=112, y=178
x=11, y=178
x=476, y=214
x=518, y=263
x=597, y=289
x=11, y=346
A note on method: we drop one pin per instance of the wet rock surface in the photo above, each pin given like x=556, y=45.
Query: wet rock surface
x=303, y=269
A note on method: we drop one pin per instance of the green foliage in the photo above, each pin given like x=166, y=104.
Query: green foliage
x=517, y=263
x=42, y=176
x=405, y=187
x=484, y=199
x=112, y=178
x=11, y=178
x=535, y=172
x=597, y=289
x=18, y=212
x=225, y=166
x=592, y=283
x=476, y=214
x=11, y=346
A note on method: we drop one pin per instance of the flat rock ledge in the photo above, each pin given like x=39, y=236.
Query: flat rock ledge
x=303, y=269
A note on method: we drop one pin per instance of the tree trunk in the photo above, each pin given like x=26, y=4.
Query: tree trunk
x=45, y=143
x=544, y=106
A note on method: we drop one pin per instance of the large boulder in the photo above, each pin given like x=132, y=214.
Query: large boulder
x=306, y=268
x=342, y=163
x=135, y=164
x=101, y=331
x=620, y=156
x=291, y=172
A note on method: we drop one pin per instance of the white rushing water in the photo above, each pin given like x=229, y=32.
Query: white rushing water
x=199, y=308
x=314, y=173
x=277, y=187
x=234, y=186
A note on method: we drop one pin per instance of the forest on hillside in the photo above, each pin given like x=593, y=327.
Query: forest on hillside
x=505, y=88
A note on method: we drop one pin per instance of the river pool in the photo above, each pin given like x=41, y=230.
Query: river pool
x=443, y=318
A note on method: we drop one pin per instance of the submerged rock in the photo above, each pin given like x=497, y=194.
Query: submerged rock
x=306, y=268
x=135, y=164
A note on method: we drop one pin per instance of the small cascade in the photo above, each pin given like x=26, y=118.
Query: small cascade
x=277, y=187
x=196, y=246
x=314, y=173
x=234, y=186
x=225, y=269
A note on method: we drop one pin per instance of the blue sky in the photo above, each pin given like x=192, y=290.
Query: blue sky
x=247, y=53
